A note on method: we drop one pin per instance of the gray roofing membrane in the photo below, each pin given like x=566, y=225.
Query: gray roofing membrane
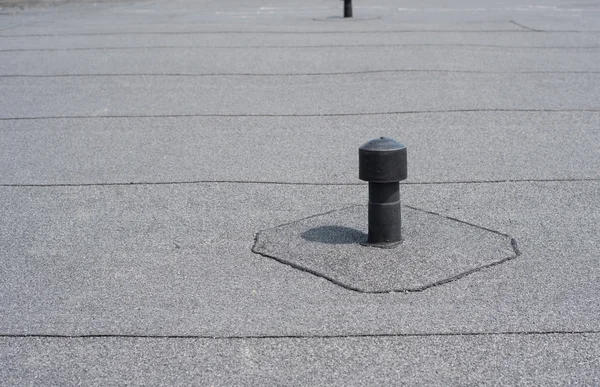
x=144, y=145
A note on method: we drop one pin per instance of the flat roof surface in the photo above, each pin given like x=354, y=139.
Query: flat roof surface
x=144, y=144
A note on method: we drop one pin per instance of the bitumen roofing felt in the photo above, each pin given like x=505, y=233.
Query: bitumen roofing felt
x=144, y=144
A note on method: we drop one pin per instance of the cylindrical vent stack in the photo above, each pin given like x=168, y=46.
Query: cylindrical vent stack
x=347, y=8
x=382, y=162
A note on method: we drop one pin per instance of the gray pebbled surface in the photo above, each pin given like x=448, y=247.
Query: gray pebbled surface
x=344, y=94
x=435, y=250
x=174, y=259
x=494, y=146
x=451, y=360
x=327, y=58
x=105, y=260
x=485, y=43
x=48, y=3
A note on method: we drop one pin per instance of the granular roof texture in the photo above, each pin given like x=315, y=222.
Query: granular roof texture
x=144, y=144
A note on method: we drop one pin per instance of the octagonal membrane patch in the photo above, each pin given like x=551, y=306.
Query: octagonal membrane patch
x=436, y=249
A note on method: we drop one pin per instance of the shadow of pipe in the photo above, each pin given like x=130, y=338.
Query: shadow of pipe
x=335, y=235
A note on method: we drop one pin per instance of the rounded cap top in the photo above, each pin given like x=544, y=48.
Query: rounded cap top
x=382, y=144
x=382, y=160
